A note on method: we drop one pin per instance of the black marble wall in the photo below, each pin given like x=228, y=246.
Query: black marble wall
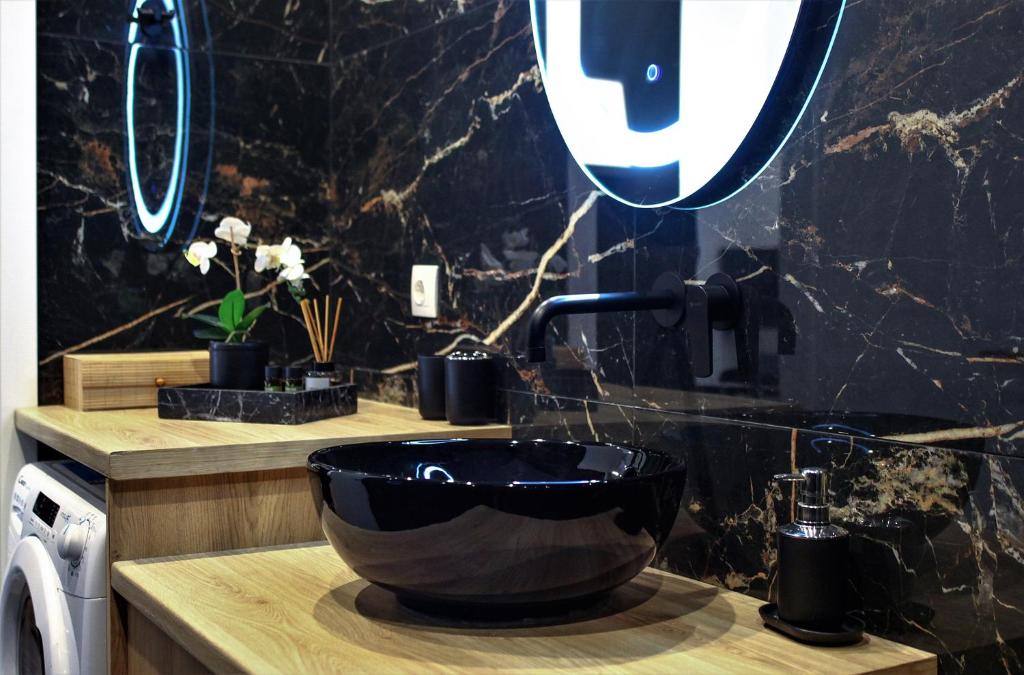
x=879, y=256
x=260, y=83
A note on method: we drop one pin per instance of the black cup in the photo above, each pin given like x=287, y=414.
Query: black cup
x=430, y=383
x=469, y=387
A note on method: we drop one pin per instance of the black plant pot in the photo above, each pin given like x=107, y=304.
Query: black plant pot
x=238, y=365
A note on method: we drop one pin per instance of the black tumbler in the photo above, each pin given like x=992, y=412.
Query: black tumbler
x=469, y=387
x=430, y=383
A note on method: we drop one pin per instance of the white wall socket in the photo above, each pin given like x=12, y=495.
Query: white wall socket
x=423, y=290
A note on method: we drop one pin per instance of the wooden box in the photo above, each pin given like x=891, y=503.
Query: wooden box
x=131, y=379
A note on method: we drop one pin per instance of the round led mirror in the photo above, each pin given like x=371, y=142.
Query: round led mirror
x=680, y=102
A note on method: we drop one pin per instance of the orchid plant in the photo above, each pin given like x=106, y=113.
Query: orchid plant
x=233, y=323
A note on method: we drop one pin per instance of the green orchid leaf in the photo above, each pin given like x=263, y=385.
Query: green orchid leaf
x=210, y=334
x=231, y=309
x=208, y=320
x=249, y=320
x=226, y=315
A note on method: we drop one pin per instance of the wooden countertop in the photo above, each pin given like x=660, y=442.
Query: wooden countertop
x=136, y=443
x=302, y=610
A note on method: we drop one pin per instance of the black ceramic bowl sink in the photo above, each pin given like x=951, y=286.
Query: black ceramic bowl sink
x=517, y=525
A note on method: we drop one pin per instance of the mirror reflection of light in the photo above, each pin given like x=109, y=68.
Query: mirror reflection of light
x=553, y=482
x=836, y=427
x=830, y=446
x=167, y=213
x=441, y=441
x=433, y=472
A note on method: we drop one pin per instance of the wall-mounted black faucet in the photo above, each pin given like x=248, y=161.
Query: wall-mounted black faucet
x=716, y=304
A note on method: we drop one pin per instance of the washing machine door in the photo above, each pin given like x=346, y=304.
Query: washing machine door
x=36, y=634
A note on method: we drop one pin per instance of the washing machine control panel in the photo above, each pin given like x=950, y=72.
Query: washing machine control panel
x=70, y=522
x=45, y=508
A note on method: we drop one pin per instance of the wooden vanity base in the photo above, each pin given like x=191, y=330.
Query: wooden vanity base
x=195, y=514
x=150, y=651
x=300, y=609
x=178, y=487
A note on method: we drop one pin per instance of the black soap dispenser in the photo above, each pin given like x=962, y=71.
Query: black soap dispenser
x=812, y=568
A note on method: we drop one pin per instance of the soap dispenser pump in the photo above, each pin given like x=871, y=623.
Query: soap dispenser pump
x=812, y=559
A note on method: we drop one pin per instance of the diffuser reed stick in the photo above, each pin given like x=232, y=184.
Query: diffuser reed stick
x=307, y=315
x=316, y=330
x=334, y=333
x=323, y=350
x=324, y=334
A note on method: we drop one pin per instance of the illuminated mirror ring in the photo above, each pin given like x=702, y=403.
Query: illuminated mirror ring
x=162, y=221
x=680, y=102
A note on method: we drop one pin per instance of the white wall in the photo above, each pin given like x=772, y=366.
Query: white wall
x=18, y=343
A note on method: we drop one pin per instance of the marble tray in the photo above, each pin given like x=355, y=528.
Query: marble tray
x=261, y=407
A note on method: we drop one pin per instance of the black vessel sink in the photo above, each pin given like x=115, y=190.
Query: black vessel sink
x=492, y=525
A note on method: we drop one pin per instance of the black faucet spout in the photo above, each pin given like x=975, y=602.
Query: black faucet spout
x=715, y=304
x=591, y=303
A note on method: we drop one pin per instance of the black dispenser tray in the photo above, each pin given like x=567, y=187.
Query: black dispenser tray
x=851, y=633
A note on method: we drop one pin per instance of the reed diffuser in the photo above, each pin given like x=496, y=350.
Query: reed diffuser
x=322, y=374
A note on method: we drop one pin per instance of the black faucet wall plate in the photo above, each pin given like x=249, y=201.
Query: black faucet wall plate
x=725, y=315
x=670, y=284
x=715, y=305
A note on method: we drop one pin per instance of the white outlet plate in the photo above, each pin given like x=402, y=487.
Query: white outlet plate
x=423, y=290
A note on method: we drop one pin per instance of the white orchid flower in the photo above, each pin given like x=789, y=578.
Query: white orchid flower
x=267, y=258
x=293, y=274
x=200, y=253
x=290, y=254
x=233, y=230
x=285, y=254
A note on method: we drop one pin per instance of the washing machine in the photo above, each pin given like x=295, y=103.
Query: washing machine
x=53, y=604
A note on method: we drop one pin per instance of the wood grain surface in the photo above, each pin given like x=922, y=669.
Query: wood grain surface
x=152, y=653
x=192, y=514
x=129, y=444
x=198, y=514
x=131, y=379
x=301, y=610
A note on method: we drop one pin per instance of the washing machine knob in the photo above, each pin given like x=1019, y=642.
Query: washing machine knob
x=72, y=542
